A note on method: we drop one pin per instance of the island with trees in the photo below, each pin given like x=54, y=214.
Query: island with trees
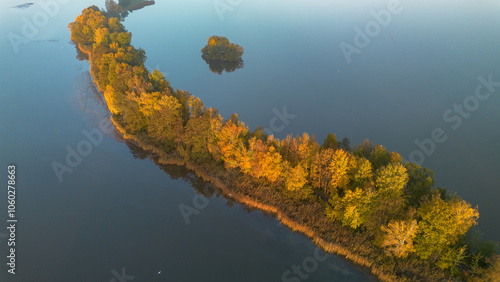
x=219, y=48
x=222, y=55
x=362, y=202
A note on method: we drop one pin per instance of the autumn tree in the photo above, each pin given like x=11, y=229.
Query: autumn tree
x=165, y=123
x=364, y=149
x=115, y=25
x=442, y=224
x=330, y=142
x=295, y=177
x=384, y=209
x=200, y=131
x=391, y=179
x=352, y=209
x=345, y=144
x=492, y=273
x=389, y=203
x=101, y=36
x=298, y=150
x=134, y=119
x=199, y=134
x=340, y=166
x=183, y=97
x=307, y=148
x=263, y=161
x=259, y=134
x=126, y=78
x=159, y=82
x=420, y=183
x=230, y=140
x=104, y=67
x=398, y=237
x=396, y=157
x=321, y=175
x=451, y=258
x=114, y=99
x=362, y=173
x=84, y=27
x=379, y=157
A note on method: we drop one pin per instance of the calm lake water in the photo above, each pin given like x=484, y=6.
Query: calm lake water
x=117, y=213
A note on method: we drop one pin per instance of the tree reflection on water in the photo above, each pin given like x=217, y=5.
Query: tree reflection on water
x=219, y=67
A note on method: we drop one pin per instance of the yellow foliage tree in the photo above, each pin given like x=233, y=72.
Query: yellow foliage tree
x=230, y=141
x=114, y=100
x=342, y=163
x=353, y=209
x=84, y=26
x=442, y=223
x=398, y=237
x=391, y=179
x=102, y=36
x=452, y=258
x=296, y=178
x=164, y=118
x=363, y=173
x=396, y=157
x=262, y=161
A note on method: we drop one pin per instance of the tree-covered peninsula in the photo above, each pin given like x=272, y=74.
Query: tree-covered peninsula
x=360, y=202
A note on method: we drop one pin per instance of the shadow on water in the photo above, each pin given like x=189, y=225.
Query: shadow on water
x=80, y=56
x=219, y=67
x=90, y=101
x=93, y=108
x=175, y=172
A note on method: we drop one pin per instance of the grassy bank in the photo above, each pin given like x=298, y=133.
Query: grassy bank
x=332, y=238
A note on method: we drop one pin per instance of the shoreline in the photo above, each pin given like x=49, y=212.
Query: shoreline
x=330, y=247
x=286, y=220
x=309, y=216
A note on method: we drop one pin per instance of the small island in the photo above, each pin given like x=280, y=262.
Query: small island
x=219, y=48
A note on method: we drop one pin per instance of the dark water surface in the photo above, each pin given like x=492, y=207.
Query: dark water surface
x=117, y=212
